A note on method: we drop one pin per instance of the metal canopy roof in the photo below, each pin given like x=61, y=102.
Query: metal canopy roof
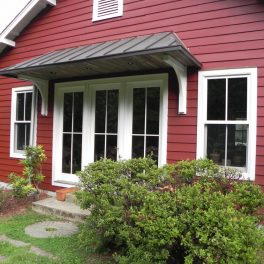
x=124, y=55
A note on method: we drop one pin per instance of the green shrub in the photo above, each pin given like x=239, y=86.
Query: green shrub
x=21, y=187
x=247, y=196
x=144, y=214
x=32, y=176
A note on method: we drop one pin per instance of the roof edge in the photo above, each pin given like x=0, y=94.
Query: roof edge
x=14, y=28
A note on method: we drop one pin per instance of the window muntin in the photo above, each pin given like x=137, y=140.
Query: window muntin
x=22, y=116
x=146, y=110
x=228, y=126
x=72, y=132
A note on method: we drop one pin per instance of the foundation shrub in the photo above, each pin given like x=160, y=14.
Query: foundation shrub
x=144, y=214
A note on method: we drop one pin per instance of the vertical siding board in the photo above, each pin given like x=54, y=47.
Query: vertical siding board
x=221, y=34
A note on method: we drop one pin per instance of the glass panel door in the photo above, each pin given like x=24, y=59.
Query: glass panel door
x=106, y=124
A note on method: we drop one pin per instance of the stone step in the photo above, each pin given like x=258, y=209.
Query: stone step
x=65, y=210
x=71, y=198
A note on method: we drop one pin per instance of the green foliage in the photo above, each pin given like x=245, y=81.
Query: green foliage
x=189, y=212
x=21, y=187
x=32, y=176
x=247, y=196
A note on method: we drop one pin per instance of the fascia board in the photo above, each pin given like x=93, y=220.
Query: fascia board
x=22, y=20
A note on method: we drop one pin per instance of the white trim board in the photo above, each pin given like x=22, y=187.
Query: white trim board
x=30, y=11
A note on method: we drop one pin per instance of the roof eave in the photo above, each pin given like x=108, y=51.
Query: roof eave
x=30, y=11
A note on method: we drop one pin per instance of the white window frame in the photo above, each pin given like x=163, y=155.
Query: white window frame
x=107, y=16
x=251, y=74
x=124, y=85
x=15, y=91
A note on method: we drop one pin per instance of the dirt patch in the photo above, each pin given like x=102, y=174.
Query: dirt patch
x=13, y=206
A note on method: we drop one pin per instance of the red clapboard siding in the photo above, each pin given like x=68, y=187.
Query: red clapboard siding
x=220, y=33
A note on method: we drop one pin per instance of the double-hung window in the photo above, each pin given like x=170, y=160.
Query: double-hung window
x=22, y=117
x=227, y=118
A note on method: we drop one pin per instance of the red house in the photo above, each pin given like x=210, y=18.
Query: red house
x=121, y=78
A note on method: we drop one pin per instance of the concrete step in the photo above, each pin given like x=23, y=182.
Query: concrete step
x=71, y=198
x=65, y=210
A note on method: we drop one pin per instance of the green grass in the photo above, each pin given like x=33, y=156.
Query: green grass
x=66, y=249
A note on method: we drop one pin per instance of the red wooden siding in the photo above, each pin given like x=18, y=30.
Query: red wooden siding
x=220, y=33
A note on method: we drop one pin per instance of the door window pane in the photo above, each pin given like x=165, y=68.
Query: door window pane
x=152, y=147
x=112, y=111
x=99, y=147
x=78, y=112
x=153, y=106
x=139, y=111
x=216, y=99
x=237, y=99
x=100, y=109
x=66, y=154
x=137, y=146
x=111, y=147
x=72, y=132
x=67, y=114
x=77, y=153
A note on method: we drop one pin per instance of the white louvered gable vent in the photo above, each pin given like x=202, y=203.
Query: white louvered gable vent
x=103, y=9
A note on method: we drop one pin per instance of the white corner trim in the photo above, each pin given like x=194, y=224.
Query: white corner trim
x=33, y=8
x=251, y=73
x=43, y=87
x=181, y=73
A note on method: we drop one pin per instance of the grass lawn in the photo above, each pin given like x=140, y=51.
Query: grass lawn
x=66, y=249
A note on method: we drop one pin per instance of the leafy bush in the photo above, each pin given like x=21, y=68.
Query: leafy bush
x=32, y=176
x=144, y=214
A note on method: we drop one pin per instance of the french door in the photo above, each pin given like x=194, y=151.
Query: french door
x=114, y=120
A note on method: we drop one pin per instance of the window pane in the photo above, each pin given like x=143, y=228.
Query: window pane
x=78, y=112
x=237, y=145
x=138, y=111
x=111, y=149
x=237, y=99
x=20, y=106
x=20, y=136
x=216, y=143
x=137, y=146
x=66, y=154
x=216, y=99
x=99, y=145
x=77, y=153
x=28, y=106
x=152, y=147
x=153, y=104
x=27, y=134
x=67, y=114
x=112, y=111
x=100, y=111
